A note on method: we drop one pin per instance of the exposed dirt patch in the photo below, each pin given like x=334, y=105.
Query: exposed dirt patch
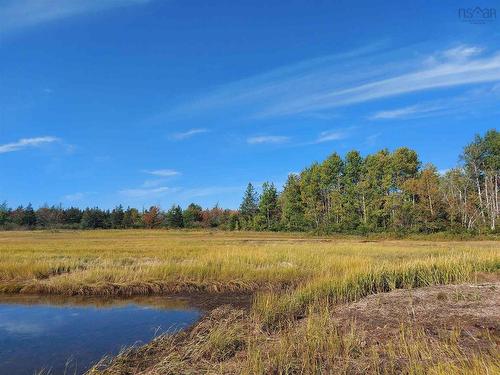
x=472, y=309
x=487, y=277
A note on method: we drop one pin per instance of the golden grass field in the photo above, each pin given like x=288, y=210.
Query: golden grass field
x=67, y=261
x=291, y=277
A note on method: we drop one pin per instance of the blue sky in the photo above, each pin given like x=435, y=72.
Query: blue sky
x=146, y=102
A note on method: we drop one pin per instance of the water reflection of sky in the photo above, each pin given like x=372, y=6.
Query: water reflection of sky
x=43, y=336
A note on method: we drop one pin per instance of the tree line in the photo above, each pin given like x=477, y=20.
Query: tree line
x=58, y=217
x=383, y=191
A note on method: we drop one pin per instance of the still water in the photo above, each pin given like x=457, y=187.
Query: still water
x=61, y=335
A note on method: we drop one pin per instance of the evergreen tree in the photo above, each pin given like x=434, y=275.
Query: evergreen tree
x=93, y=218
x=17, y=216
x=234, y=221
x=29, y=217
x=249, y=206
x=132, y=218
x=192, y=215
x=4, y=213
x=117, y=216
x=384, y=191
x=72, y=216
x=174, y=217
x=268, y=214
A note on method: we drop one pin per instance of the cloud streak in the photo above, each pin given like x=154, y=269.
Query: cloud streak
x=328, y=136
x=472, y=101
x=319, y=85
x=26, y=143
x=163, y=172
x=19, y=14
x=276, y=139
x=413, y=111
x=188, y=134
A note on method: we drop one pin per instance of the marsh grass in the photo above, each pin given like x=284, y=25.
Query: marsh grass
x=295, y=280
x=315, y=345
x=318, y=345
x=157, y=262
x=276, y=309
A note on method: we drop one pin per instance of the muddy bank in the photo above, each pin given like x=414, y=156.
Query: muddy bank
x=141, y=288
x=431, y=320
x=202, y=301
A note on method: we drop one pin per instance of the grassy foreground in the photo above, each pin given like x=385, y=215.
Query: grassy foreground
x=293, y=278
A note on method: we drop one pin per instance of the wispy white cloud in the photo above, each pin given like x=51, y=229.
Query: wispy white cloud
x=147, y=192
x=462, y=52
x=328, y=136
x=473, y=100
x=152, y=188
x=26, y=143
x=163, y=172
x=441, y=75
x=19, y=14
x=267, y=139
x=188, y=134
x=321, y=85
x=276, y=83
x=406, y=112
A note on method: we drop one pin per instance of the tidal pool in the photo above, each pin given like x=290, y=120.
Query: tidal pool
x=67, y=335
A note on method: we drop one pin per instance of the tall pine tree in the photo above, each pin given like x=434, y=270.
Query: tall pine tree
x=174, y=218
x=268, y=215
x=249, y=207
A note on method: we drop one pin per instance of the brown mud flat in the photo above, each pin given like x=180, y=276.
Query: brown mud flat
x=428, y=319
